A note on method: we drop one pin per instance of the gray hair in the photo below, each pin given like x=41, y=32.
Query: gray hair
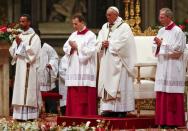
x=168, y=12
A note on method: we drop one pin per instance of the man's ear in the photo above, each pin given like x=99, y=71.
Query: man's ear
x=29, y=22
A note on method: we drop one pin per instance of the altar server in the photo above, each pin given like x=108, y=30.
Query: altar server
x=81, y=72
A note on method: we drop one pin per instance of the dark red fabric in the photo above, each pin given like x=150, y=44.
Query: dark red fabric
x=83, y=32
x=81, y=101
x=169, y=27
x=129, y=122
x=158, y=49
x=170, y=109
x=51, y=95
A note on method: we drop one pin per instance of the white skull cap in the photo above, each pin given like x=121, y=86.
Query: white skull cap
x=114, y=8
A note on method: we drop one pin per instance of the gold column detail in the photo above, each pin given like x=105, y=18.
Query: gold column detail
x=127, y=11
x=137, y=29
x=132, y=19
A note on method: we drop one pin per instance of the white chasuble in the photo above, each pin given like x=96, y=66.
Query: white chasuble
x=116, y=72
x=26, y=57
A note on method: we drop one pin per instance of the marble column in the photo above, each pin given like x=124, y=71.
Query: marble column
x=4, y=80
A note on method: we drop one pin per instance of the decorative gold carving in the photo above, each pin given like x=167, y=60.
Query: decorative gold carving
x=132, y=19
x=149, y=104
x=145, y=104
x=137, y=28
x=150, y=32
x=127, y=11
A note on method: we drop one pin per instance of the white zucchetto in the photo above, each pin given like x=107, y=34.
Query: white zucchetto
x=114, y=8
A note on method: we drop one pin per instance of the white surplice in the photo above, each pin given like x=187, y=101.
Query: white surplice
x=26, y=95
x=47, y=77
x=81, y=69
x=116, y=67
x=63, y=65
x=170, y=74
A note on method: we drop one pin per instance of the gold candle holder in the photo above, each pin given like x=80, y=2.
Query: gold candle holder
x=137, y=28
x=132, y=19
x=127, y=11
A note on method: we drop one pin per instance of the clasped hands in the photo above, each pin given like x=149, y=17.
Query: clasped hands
x=49, y=66
x=158, y=41
x=172, y=55
x=105, y=44
x=74, y=46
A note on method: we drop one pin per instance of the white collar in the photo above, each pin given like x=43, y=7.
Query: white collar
x=117, y=22
x=29, y=31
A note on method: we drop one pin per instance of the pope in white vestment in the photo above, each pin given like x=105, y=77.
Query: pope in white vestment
x=170, y=44
x=117, y=61
x=48, y=75
x=26, y=94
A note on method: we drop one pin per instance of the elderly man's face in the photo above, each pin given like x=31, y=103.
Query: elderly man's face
x=111, y=16
x=163, y=19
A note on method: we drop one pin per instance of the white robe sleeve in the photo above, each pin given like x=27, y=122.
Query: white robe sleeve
x=67, y=47
x=33, y=50
x=154, y=49
x=12, y=48
x=62, y=72
x=88, y=50
x=180, y=43
x=63, y=65
x=99, y=41
x=12, y=51
x=53, y=61
x=116, y=44
x=98, y=45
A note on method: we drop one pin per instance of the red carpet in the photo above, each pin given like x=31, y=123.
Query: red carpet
x=130, y=122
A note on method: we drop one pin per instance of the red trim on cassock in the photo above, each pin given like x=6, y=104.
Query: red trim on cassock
x=81, y=101
x=170, y=109
x=169, y=27
x=82, y=32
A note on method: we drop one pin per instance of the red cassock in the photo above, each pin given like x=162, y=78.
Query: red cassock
x=170, y=109
x=81, y=101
